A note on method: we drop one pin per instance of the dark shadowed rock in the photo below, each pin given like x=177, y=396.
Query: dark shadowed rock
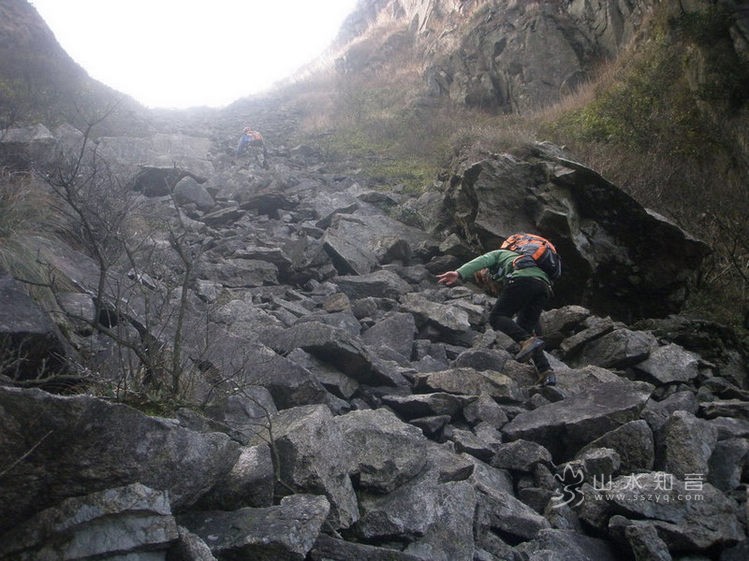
x=30, y=343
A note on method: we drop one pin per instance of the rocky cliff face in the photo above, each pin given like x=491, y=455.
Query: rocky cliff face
x=500, y=55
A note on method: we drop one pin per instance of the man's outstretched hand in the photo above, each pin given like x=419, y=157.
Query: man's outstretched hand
x=449, y=278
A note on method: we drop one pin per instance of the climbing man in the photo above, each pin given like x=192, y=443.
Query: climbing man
x=525, y=291
x=252, y=139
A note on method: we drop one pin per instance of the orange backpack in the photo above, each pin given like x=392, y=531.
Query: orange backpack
x=534, y=251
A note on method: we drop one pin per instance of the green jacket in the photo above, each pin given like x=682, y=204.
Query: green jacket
x=499, y=263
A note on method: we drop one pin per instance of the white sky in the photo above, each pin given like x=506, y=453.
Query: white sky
x=186, y=53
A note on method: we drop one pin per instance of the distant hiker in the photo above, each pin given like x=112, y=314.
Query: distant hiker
x=252, y=139
x=525, y=290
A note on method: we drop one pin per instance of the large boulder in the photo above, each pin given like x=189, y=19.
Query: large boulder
x=79, y=444
x=618, y=258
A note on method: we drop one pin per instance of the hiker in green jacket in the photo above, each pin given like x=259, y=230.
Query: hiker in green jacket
x=524, y=293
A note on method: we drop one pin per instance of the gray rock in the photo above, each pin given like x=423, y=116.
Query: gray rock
x=633, y=442
x=426, y=404
x=189, y=191
x=467, y=381
x=117, y=521
x=435, y=513
x=189, y=547
x=686, y=444
x=313, y=457
x=671, y=363
x=30, y=343
x=119, y=441
x=379, y=284
x=566, y=426
x=618, y=349
x=338, y=348
x=567, y=545
x=730, y=458
x=249, y=482
x=383, y=451
x=688, y=514
x=327, y=548
x=287, y=531
x=396, y=331
x=642, y=538
x=656, y=413
x=520, y=455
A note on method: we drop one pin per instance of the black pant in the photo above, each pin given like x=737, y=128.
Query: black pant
x=525, y=298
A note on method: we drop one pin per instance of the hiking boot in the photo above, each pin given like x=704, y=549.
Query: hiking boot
x=528, y=347
x=547, y=378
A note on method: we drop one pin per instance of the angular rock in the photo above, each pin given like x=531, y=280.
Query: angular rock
x=410, y=407
x=327, y=548
x=122, y=446
x=189, y=191
x=396, y=331
x=689, y=515
x=245, y=364
x=449, y=320
x=520, y=455
x=498, y=509
x=383, y=451
x=687, y=444
x=656, y=413
x=118, y=521
x=30, y=343
x=287, y=531
x=618, y=349
x=189, y=547
x=736, y=408
x=338, y=348
x=729, y=460
x=249, y=482
x=566, y=426
x=313, y=457
x=467, y=381
x=567, y=545
x=633, y=442
x=670, y=363
x=240, y=273
x=379, y=284
x=437, y=518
